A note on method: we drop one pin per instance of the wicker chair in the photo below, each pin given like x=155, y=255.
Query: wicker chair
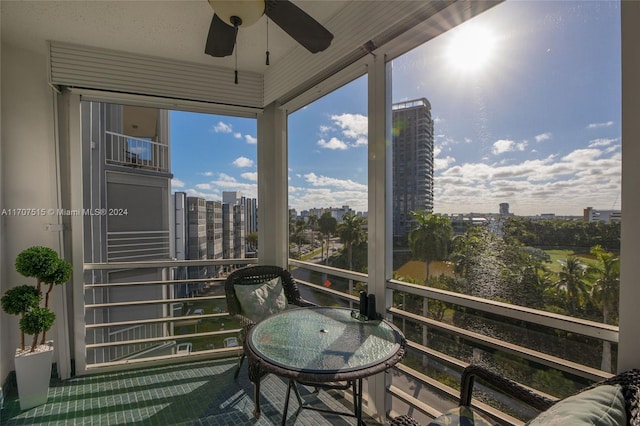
x=253, y=275
x=630, y=382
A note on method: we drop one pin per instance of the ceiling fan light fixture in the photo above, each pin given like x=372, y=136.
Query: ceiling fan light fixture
x=249, y=11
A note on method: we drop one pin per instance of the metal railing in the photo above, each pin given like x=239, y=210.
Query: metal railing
x=129, y=151
x=138, y=312
x=537, y=348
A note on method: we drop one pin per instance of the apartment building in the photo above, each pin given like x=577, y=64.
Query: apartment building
x=412, y=163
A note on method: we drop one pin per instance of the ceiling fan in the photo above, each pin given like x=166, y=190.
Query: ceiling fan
x=229, y=16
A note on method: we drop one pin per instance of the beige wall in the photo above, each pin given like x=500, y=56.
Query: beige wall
x=28, y=173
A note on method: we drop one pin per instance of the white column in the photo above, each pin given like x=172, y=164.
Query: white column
x=380, y=194
x=629, y=346
x=273, y=209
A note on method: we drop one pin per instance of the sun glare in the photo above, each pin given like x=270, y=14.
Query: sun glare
x=471, y=49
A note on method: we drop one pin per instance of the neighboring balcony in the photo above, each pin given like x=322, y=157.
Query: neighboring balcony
x=129, y=151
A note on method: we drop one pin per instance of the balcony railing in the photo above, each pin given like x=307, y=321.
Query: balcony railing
x=142, y=311
x=554, y=354
x=128, y=151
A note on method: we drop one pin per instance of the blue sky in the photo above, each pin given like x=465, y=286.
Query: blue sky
x=533, y=120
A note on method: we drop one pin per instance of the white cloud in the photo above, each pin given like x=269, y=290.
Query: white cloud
x=177, y=183
x=251, y=139
x=316, y=180
x=204, y=186
x=243, y=162
x=506, y=145
x=210, y=196
x=354, y=126
x=207, y=174
x=590, y=176
x=598, y=125
x=325, y=129
x=301, y=198
x=223, y=177
x=443, y=163
x=222, y=128
x=334, y=143
x=237, y=135
x=601, y=142
x=543, y=137
x=253, y=176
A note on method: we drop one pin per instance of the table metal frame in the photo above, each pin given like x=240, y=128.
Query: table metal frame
x=259, y=365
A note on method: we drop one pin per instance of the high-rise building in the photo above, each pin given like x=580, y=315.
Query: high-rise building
x=214, y=230
x=412, y=163
x=125, y=169
x=504, y=209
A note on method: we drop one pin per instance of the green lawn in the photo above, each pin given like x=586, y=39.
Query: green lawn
x=561, y=255
x=416, y=269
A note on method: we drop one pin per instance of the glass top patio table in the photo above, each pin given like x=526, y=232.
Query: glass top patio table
x=324, y=343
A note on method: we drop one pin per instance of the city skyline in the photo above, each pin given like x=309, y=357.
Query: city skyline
x=535, y=122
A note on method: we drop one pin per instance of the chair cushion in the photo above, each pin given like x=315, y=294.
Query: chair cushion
x=602, y=406
x=259, y=301
x=460, y=416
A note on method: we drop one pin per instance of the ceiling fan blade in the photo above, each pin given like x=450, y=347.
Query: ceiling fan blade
x=221, y=39
x=299, y=25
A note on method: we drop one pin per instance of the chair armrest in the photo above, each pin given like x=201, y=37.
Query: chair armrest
x=630, y=383
x=305, y=303
x=404, y=420
x=507, y=386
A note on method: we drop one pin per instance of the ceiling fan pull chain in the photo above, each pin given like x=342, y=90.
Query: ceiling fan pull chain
x=236, y=70
x=267, y=40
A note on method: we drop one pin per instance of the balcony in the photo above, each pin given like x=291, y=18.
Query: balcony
x=202, y=392
x=43, y=163
x=129, y=151
x=521, y=343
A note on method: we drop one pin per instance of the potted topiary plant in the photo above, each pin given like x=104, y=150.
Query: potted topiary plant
x=33, y=363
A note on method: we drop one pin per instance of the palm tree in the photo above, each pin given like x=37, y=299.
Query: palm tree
x=605, y=292
x=298, y=233
x=328, y=226
x=312, y=223
x=430, y=240
x=573, y=281
x=351, y=234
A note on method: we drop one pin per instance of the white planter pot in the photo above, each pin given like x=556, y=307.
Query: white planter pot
x=33, y=372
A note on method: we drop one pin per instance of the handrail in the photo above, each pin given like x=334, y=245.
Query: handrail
x=548, y=319
x=166, y=264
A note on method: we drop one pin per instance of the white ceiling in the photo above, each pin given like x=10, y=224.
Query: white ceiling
x=175, y=29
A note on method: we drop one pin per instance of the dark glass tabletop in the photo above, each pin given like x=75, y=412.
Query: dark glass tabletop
x=324, y=340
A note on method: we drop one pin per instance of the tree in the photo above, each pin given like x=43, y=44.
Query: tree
x=605, y=292
x=351, y=233
x=430, y=240
x=43, y=264
x=573, y=281
x=252, y=240
x=20, y=300
x=312, y=223
x=328, y=225
x=298, y=233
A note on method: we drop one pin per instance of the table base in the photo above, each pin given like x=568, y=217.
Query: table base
x=355, y=385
